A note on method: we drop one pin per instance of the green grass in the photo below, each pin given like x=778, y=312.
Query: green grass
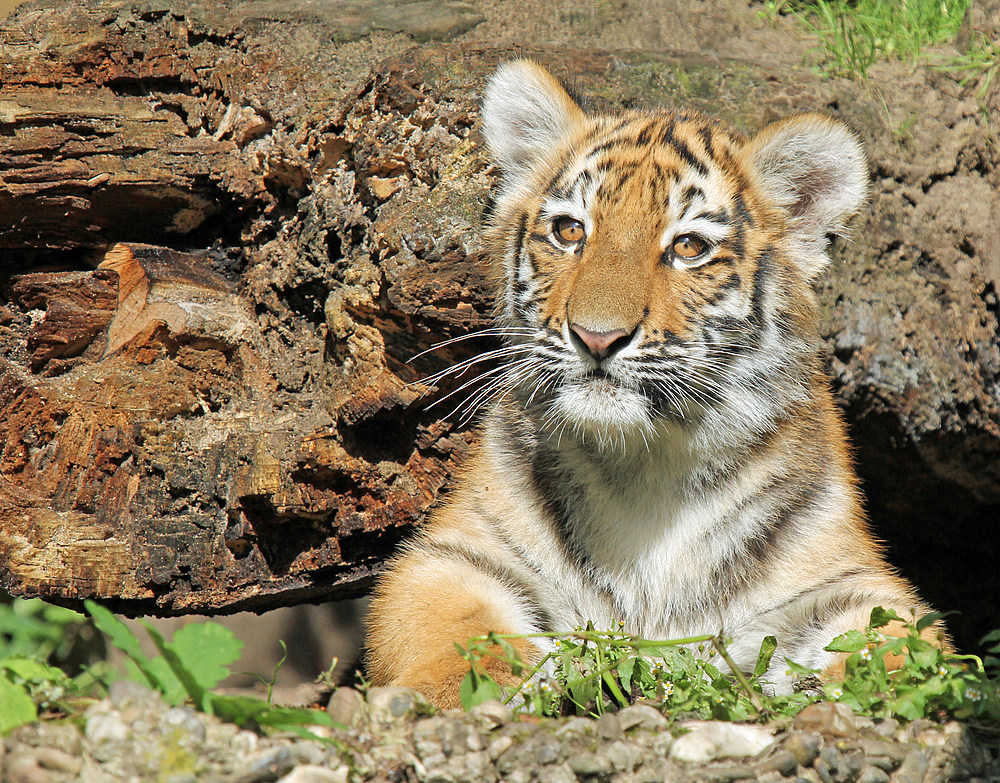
x=591, y=672
x=853, y=35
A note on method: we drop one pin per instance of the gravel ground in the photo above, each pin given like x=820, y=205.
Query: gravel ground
x=392, y=734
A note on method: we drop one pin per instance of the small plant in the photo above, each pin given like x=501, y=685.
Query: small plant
x=590, y=672
x=929, y=682
x=855, y=35
x=194, y=662
x=979, y=64
x=39, y=643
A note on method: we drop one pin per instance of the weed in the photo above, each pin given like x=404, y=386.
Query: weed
x=589, y=672
x=194, y=662
x=980, y=63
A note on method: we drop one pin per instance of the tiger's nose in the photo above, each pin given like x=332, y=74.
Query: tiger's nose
x=600, y=345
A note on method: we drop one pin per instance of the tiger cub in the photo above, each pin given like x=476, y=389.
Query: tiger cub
x=663, y=449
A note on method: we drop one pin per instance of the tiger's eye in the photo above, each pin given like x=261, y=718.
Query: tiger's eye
x=689, y=246
x=568, y=230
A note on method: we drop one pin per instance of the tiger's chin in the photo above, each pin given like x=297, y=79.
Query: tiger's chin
x=601, y=410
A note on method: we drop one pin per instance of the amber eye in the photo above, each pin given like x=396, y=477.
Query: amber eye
x=688, y=247
x=568, y=230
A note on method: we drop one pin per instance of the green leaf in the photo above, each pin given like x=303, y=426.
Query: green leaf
x=849, y=642
x=16, y=706
x=626, y=667
x=992, y=637
x=189, y=684
x=910, y=704
x=477, y=688
x=930, y=618
x=206, y=650
x=798, y=668
x=767, y=648
x=33, y=671
x=881, y=617
x=124, y=640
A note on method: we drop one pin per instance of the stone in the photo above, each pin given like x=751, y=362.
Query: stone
x=556, y=773
x=23, y=767
x=58, y=760
x=187, y=719
x=493, y=713
x=870, y=774
x=392, y=703
x=887, y=727
x=804, y=745
x=782, y=761
x=268, y=764
x=609, y=727
x=587, y=764
x=623, y=756
x=913, y=769
x=726, y=773
x=721, y=740
x=309, y=773
x=106, y=727
x=346, y=706
x=641, y=716
x=828, y=718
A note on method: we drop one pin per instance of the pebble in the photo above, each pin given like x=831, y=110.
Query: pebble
x=58, y=760
x=587, y=764
x=346, y=707
x=139, y=737
x=641, y=716
x=872, y=775
x=391, y=703
x=23, y=767
x=493, y=713
x=609, y=727
x=783, y=762
x=829, y=718
x=106, y=727
x=309, y=773
x=804, y=746
x=720, y=740
x=913, y=769
x=557, y=773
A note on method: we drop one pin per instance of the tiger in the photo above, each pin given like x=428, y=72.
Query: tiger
x=661, y=452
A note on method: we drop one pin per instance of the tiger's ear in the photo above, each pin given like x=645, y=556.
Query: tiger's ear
x=815, y=169
x=526, y=112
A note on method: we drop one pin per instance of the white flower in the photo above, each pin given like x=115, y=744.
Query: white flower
x=668, y=689
x=973, y=694
x=942, y=671
x=836, y=692
x=866, y=654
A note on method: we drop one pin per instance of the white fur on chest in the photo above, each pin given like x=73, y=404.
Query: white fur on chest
x=652, y=546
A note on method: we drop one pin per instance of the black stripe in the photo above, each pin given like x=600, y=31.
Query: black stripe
x=818, y=588
x=762, y=274
x=691, y=192
x=742, y=213
x=706, y=136
x=522, y=228
x=682, y=150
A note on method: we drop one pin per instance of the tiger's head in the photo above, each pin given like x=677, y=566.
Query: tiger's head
x=654, y=269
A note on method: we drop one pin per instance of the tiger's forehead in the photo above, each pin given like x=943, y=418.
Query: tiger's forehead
x=664, y=164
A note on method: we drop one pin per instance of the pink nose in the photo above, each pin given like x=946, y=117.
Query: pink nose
x=599, y=343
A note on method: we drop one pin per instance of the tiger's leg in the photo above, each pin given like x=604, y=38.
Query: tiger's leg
x=426, y=604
